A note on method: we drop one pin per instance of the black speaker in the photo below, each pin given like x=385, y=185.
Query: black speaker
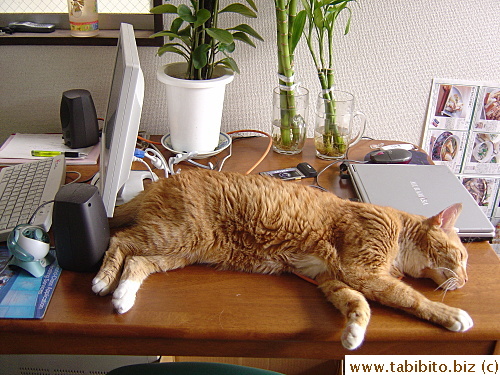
x=80, y=227
x=78, y=119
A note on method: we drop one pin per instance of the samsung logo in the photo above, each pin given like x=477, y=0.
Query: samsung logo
x=419, y=193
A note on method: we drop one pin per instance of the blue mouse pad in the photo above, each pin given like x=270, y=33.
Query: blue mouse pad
x=23, y=296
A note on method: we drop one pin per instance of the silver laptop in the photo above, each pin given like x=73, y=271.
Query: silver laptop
x=423, y=190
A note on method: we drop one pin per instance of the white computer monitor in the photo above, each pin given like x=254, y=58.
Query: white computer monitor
x=122, y=120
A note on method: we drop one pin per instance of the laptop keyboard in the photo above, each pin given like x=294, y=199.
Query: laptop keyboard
x=24, y=187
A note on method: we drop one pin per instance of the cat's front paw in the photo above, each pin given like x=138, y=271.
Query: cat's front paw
x=353, y=336
x=100, y=286
x=124, y=296
x=463, y=322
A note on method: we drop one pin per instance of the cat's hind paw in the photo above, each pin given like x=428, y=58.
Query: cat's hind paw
x=463, y=322
x=353, y=336
x=124, y=296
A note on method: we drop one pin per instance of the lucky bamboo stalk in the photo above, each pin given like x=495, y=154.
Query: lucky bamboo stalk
x=321, y=17
x=286, y=11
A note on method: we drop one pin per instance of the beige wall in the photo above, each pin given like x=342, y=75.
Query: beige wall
x=388, y=59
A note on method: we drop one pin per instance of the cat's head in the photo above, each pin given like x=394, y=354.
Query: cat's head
x=443, y=257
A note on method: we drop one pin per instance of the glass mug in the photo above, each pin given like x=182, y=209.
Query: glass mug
x=335, y=123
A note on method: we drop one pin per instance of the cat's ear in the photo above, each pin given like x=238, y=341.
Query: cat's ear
x=446, y=219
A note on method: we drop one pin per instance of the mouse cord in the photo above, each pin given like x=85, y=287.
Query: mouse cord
x=38, y=209
x=6, y=264
x=316, y=183
x=78, y=176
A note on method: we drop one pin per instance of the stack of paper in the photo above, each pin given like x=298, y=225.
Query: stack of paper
x=17, y=149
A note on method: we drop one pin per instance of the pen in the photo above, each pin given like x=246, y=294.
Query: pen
x=68, y=154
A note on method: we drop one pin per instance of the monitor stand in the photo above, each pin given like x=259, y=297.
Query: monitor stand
x=134, y=185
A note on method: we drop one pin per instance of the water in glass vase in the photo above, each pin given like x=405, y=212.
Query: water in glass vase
x=289, y=140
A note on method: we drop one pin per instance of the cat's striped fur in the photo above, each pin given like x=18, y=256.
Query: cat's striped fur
x=355, y=251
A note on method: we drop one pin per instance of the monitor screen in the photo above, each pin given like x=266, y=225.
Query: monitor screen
x=122, y=120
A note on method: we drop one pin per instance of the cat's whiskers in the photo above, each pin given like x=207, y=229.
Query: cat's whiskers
x=451, y=283
x=455, y=275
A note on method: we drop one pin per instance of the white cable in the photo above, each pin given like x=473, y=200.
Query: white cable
x=157, y=160
x=79, y=175
x=154, y=177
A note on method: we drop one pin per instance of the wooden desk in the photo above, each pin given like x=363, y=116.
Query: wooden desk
x=200, y=311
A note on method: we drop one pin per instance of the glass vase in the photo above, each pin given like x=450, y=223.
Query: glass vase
x=289, y=122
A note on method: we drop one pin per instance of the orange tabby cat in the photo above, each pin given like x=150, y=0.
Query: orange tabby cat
x=261, y=224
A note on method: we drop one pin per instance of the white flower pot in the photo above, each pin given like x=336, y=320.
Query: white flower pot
x=194, y=108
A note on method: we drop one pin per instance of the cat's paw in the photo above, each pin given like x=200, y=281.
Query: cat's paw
x=462, y=323
x=124, y=296
x=353, y=336
x=100, y=286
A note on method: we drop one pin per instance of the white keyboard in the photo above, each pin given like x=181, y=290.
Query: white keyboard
x=24, y=187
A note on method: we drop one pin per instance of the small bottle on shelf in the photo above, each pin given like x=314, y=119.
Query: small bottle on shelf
x=83, y=18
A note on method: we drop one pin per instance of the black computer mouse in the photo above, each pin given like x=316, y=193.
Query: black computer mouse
x=393, y=156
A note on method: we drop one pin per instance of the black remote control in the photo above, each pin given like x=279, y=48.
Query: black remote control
x=31, y=27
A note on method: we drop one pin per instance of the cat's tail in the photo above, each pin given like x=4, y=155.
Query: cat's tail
x=126, y=213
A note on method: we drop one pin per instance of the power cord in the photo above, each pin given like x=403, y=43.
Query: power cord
x=153, y=153
x=268, y=148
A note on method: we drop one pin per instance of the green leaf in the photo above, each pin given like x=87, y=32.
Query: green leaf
x=318, y=17
x=185, y=35
x=185, y=13
x=202, y=16
x=297, y=29
x=240, y=9
x=244, y=38
x=176, y=24
x=221, y=35
x=168, y=33
x=335, y=2
x=307, y=7
x=200, y=58
x=247, y=30
x=229, y=63
x=172, y=47
x=164, y=8
x=252, y=4
x=348, y=24
x=185, y=31
x=229, y=48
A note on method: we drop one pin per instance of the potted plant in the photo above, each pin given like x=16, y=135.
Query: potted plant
x=290, y=102
x=196, y=86
x=335, y=109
